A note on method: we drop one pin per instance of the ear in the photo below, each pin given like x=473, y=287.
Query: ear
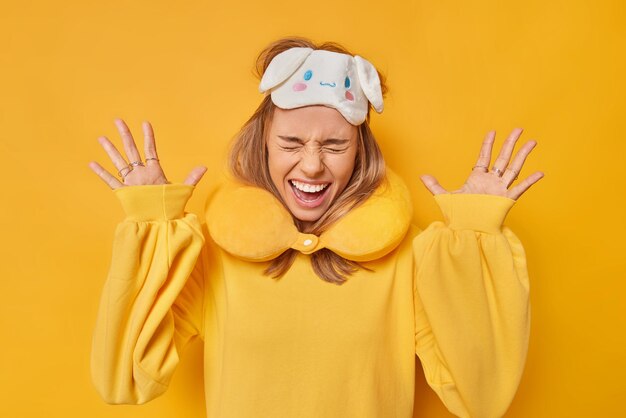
x=283, y=66
x=370, y=83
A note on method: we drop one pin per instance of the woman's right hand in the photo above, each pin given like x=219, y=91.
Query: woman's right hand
x=135, y=172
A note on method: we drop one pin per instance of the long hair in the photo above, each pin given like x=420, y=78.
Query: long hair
x=248, y=162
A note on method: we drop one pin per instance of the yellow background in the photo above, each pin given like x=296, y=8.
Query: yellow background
x=455, y=69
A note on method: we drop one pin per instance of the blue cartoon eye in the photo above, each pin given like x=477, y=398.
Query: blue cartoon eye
x=347, y=82
x=308, y=74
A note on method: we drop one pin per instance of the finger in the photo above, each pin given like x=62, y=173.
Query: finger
x=195, y=175
x=129, y=143
x=149, y=144
x=516, y=191
x=515, y=168
x=107, y=177
x=432, y=184
x=484, y=157
x=507, y=149
x=116, y=158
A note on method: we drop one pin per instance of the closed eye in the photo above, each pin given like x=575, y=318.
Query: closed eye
x=330, y=145
x=289, y=148
x=335, y=150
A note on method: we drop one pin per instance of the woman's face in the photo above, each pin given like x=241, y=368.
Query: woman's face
x=311, y=154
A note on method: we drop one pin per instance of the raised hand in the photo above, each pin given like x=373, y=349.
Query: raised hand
x=135, y=171
x=498, y=179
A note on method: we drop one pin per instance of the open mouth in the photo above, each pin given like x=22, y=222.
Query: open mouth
x=309, y=195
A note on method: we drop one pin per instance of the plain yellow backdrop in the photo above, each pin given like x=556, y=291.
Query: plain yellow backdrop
x=456, y=69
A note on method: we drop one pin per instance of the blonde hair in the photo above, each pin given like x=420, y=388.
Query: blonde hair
x=248, y=163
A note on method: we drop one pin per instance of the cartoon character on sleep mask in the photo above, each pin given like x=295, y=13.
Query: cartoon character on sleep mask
x=301, y=77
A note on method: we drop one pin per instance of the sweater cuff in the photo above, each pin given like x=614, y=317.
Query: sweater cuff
x=478, y=212
x=154, y=202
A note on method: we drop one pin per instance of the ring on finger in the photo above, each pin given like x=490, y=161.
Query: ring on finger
x=481, y=166
x=136, y=163
x=125, y=174
x=516, y=173
x=152, y=158
x=497, y=171
x=119, y=172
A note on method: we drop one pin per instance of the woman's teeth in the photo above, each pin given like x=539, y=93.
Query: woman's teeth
x=309, y=188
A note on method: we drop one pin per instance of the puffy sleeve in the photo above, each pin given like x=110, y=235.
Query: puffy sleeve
x=152, y=301
x=472, y=312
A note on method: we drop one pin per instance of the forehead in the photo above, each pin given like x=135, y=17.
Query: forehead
x=311, y=121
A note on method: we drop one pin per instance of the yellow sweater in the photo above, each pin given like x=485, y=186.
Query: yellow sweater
x=455, y=294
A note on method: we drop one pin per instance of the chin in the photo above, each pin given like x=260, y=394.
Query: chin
x=305, y=216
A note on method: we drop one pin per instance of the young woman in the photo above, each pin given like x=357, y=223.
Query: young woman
x=310, y=288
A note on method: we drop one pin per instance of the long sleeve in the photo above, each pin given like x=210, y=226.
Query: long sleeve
x=152, y=300
x=472, y=312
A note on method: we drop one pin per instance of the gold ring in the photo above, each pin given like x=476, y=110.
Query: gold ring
x=481, y=166
x=516, y=173
x=119, y=172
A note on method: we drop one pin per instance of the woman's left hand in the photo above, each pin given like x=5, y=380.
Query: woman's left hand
x=498, y=179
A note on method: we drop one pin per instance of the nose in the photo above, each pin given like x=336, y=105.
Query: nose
x=311, y=164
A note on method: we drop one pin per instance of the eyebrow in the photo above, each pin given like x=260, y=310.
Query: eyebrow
x=331, y=141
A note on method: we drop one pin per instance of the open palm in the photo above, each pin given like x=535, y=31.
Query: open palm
x=135, y=171
x=503, y=173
